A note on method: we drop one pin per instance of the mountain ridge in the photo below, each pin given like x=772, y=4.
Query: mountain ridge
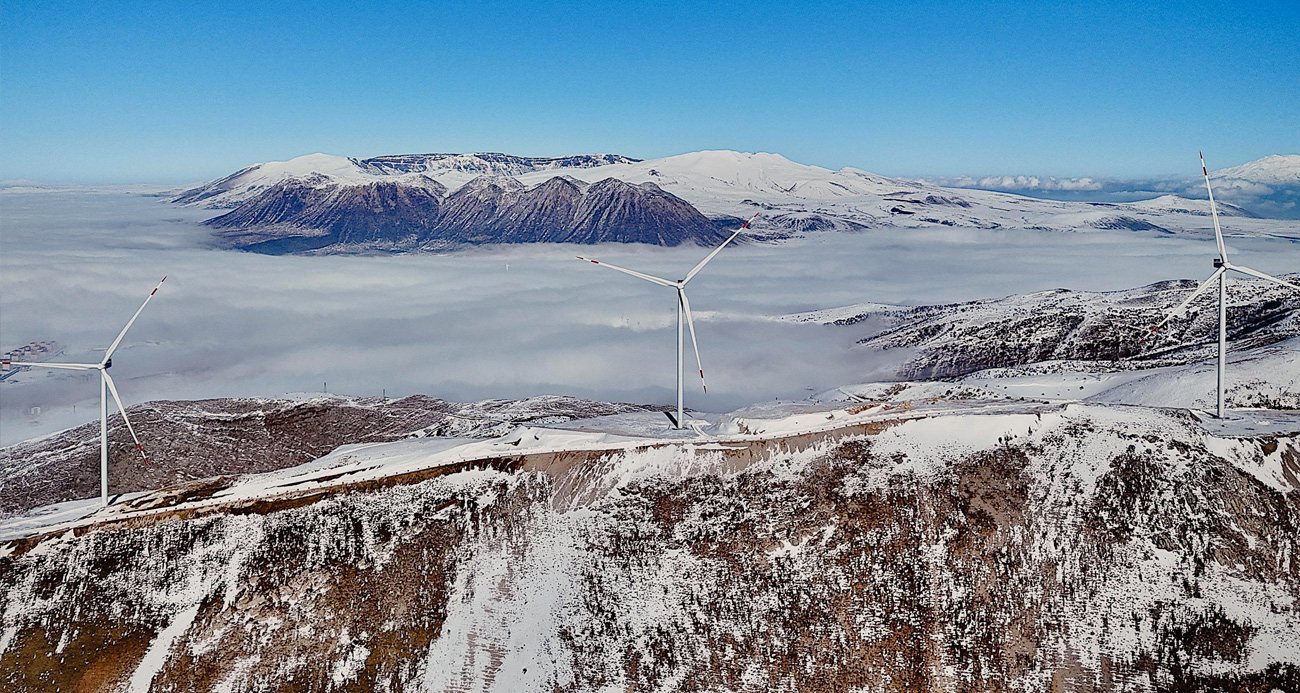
x=718, y=184
x=1113, y=547
x=316, y=214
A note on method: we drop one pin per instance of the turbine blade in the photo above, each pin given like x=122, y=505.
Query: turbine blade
x=696, y=269
x=112, y=347
x=690, y=322
x=1214, y=211
x=64, y=366
x=616, y=268
x=1261, y=275
x=113, y=390
x=1182, y=306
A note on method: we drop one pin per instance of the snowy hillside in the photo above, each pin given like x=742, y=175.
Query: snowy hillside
x=1275, y=169
x=928, y=548
x=1182, y=205
x=1071, y=329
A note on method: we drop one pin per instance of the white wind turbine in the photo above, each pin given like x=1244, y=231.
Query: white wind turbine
x=1221, y=268
x=105, y=388
x=683, y=308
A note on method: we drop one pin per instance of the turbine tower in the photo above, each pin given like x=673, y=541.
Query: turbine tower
x=1221, y=269
x=106, y=387
x=683, y=308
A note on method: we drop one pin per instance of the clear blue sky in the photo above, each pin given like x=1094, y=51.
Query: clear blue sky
x=181, y=91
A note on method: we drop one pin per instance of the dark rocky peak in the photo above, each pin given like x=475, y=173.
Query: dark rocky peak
x=562, y=184
x=490, y=185
x=279, y=204
x=616, y=210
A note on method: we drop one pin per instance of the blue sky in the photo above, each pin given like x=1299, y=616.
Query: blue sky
x=175, y=92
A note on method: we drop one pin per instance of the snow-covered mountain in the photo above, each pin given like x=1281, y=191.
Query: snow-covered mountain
x=228, y=192
x=897, y=545
x=1073, y=330
x=983, y=532
x=1183, y=205
x=317, y=214
x=314, y=197
x=1274, y=169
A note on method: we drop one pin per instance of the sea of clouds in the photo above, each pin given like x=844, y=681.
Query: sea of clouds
x=504, y=321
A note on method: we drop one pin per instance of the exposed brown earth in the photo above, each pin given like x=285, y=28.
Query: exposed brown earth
x=1087, y=549
x=188, y=440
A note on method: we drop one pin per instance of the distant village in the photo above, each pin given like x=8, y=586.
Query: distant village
x=32, y=351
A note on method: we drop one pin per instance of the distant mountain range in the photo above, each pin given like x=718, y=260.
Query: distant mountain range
x=1269, y=186
x=326, y=204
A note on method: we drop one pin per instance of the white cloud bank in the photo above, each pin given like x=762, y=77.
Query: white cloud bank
x=76, y=263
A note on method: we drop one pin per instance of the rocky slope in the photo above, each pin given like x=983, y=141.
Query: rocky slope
x=1058, y=549
x=189, y=440
x=1105, y=328
x=318, y=214
x=246, y=183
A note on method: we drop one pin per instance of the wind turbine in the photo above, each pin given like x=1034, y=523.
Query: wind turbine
x=105, y=388
x=1221, y=269
x=683, y=308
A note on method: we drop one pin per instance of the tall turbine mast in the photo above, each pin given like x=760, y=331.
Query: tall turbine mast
x=683, y=312
x=1221, y=269
x=106, y=387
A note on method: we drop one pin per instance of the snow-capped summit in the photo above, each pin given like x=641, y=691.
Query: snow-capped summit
x=718, y=180
x=1176, y=203
x=247, y=183
x=1274, y=169
x=763, y=172
x=451, y=170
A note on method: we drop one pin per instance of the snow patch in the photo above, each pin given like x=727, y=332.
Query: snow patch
x=156, y=656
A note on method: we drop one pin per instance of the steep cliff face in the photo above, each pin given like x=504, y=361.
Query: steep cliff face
x=307, y=214
x=1077, y=548
x=319, y=214
x=614, y=211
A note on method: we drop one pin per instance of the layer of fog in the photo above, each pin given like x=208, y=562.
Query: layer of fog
x=496, y=321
